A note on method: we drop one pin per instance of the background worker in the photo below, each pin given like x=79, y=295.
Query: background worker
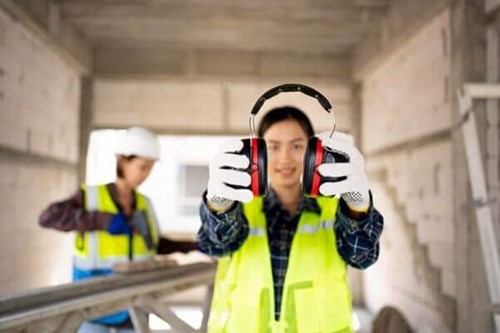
x=283, y=257
x=113, y=222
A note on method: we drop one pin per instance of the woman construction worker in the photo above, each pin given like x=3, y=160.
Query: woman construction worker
x=113, y=222
x=283, y=257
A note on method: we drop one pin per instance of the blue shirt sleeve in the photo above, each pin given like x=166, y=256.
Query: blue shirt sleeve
x=358, y=240
x=221, y=234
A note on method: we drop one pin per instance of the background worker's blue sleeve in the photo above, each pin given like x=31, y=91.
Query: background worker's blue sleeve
x=358, y=240
x=221, y=234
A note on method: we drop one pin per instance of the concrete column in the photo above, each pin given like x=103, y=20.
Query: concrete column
x=85, y=124
x=468, y=59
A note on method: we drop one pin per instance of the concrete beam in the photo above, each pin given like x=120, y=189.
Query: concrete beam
x=276, y=13
x=165, y=130
x=60, y=36
x=412, y=144
x=131, y=61
x=15, y=156
x=372, y=3
x=220, y=63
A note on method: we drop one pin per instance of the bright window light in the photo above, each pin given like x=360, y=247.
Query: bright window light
x=190, y=315
x=176, y=182
x=356, y=325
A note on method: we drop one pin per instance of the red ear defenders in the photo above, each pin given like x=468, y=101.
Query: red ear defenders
x=256, y=151
x=314, y=156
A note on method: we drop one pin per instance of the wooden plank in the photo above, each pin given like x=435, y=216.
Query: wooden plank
x=71, y=322
x=139, y=319
x=99, y=300
x=142, y=266
x=39, y=297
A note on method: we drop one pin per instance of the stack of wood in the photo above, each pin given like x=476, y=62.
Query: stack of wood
x=159, y=262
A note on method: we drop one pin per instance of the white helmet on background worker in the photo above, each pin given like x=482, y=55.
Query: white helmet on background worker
x=140, y=142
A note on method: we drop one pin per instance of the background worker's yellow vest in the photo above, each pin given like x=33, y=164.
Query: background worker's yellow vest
x=97, y=251
x=316, y=296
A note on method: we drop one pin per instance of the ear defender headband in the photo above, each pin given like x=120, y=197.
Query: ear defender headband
x=256, y=150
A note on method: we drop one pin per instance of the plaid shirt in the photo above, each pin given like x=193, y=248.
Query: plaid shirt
x=70, y=215
x=224, y=233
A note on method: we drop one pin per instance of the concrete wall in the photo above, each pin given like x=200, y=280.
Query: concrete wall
x=407, y=73
x=431, y=265
x=209, y=106
x=406, y=114
x=39, y=128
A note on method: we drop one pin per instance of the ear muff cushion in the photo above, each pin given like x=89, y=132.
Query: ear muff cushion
x=256, y=151
x=262, y=166
x=313, y=157
x=307, y=174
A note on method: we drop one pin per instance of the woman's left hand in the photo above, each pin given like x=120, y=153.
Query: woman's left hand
x=354, y=189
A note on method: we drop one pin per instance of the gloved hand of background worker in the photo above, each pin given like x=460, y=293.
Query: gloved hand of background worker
x=222, y=173
x=119, y=225
x=355, y=188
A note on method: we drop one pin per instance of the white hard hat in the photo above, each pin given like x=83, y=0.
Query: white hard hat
x=140, y=142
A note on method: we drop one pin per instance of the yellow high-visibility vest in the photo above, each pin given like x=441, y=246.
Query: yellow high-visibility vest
x=99, y=250
x=316, y=295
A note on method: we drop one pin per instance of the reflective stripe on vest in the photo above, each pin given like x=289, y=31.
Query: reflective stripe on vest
x=256, y=232
x=312, y=229
x=99, y=249
x=316, y=296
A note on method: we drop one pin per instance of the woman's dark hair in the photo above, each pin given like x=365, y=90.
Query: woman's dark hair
x=119, y=171
x=283, y=113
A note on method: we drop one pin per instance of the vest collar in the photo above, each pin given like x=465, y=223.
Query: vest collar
x=272, y=203
x=114, y=196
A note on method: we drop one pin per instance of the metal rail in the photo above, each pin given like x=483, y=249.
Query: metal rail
x=63, y=308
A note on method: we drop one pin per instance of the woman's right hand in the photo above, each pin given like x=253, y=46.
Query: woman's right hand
x=223, y=172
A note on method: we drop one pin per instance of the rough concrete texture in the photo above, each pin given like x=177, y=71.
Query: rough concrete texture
x=407, y=96
x=39, y=96
x=30, y=256
x=406, y=99
x=218, y=63
x=209, y=106
x=403, y=277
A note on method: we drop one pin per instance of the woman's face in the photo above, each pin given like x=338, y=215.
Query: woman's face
x=135, y=170
x=286, y=144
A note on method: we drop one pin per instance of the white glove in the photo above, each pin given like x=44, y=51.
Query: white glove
x=355, y=189
x=219, y=178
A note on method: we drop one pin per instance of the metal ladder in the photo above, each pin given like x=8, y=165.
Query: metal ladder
x=487, y=232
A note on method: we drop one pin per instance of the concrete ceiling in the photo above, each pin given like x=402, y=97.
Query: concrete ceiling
x=316, y=27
